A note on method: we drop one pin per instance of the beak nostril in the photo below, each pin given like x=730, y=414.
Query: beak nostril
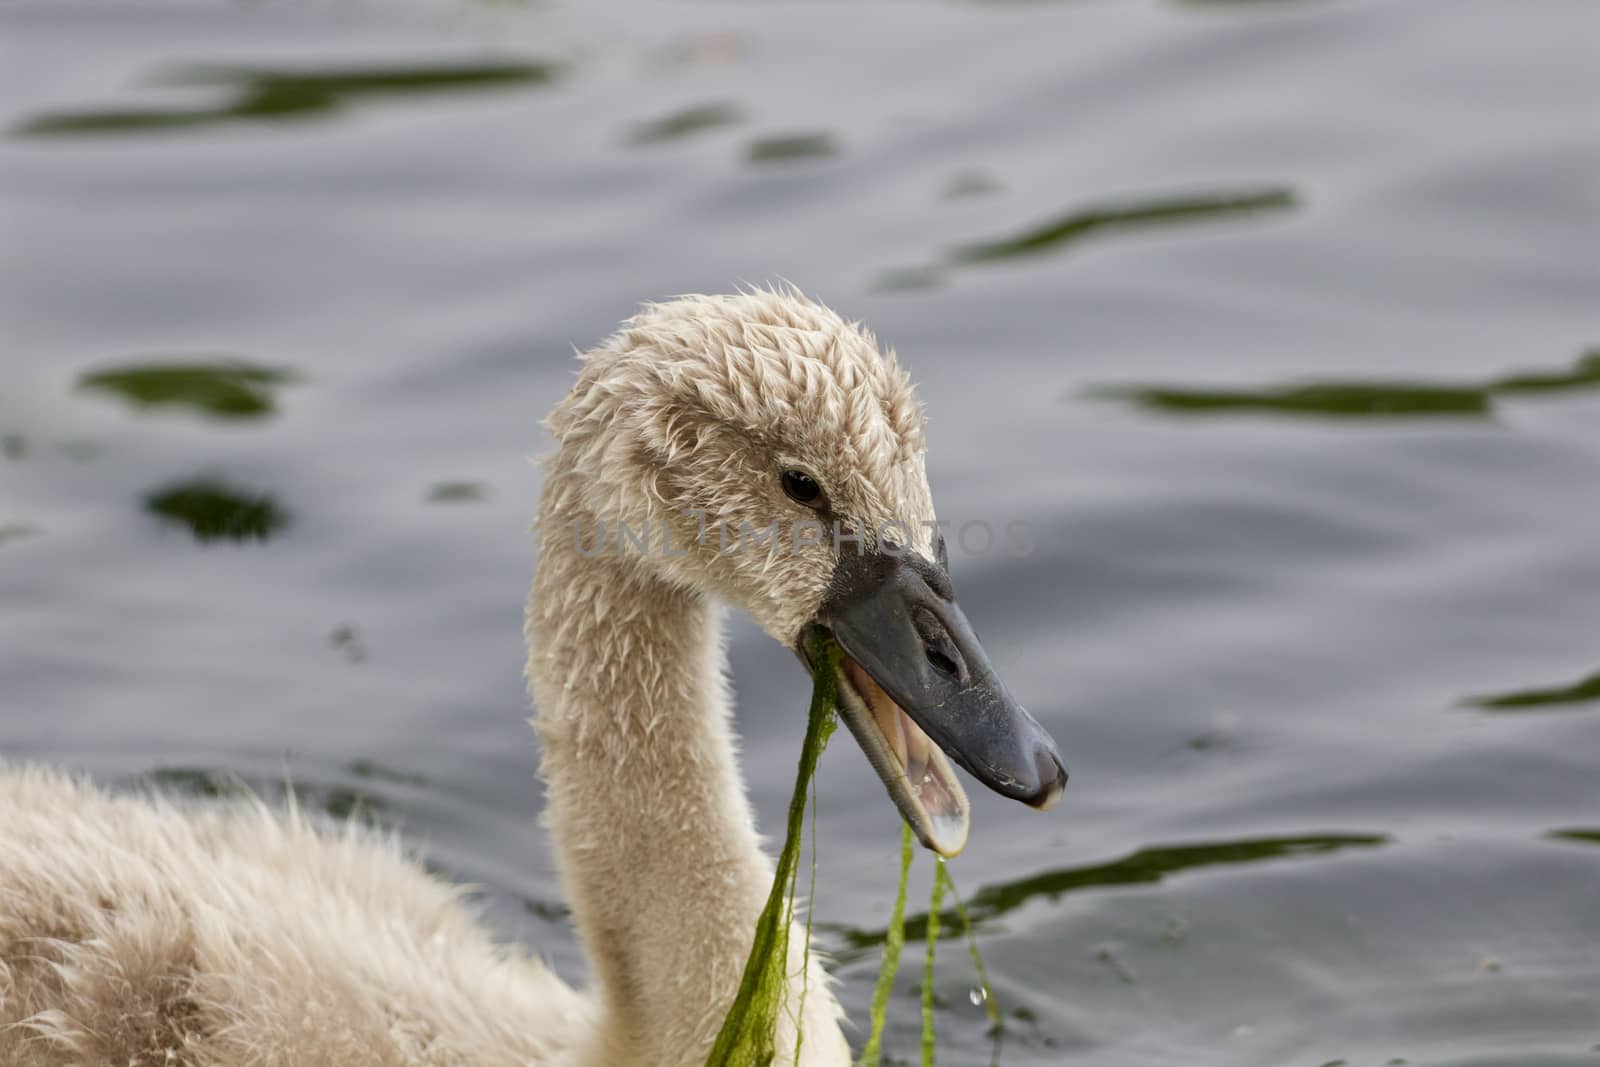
x=943, y=663
x=944, y=655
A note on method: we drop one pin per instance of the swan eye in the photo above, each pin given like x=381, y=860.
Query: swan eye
x=802, y=488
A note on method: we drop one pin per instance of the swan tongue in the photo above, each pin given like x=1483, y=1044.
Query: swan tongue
x=919, y=778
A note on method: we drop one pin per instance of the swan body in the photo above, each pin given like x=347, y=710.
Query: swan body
x=136, y=931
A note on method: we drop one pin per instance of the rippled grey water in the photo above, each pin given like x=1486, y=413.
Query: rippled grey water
x=1277, y=321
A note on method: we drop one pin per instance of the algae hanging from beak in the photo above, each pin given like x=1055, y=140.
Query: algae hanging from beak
x=894, y=940
x=748, y=1037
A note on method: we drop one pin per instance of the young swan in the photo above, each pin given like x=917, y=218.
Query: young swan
x=136, y=932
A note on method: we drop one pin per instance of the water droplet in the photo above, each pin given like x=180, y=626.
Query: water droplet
x=977, y=996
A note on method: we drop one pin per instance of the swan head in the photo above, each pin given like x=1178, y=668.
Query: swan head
x=759, y=449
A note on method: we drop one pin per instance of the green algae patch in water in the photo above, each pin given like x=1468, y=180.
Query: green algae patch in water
x=1334, y=400
x=1357, y=399
x=215, y=511
x=748, y=1037
x=1584, y=374
x=219, y=389
x=1146, y=866
x=1583, y=691
x=1076, y=226
x=1068, y=230
x=788, y=148
x=681, y=125
x=278, y=94
x=15, y=532
x=458, y=492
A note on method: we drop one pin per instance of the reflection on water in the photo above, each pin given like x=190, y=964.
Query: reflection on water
x=215, y=511
x=222, y=389
x=548, y=910
x=970, y=183
x=1360, y=399
x=905, y=278
x=378, y=772
x=1148, y=865
x=791, y=147
x=1235, y=3
x=1327, y=400
x=1585, y=373
x=271, y=93
x=457, y=492
x=81, y=451
x=198, y=782
x=340, y=801
x=1579, y=692
x=1122, y=193
x=344, y=638
x=1077, y=225
x=685, y=123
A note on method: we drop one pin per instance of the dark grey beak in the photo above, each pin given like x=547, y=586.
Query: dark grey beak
x=910, y=651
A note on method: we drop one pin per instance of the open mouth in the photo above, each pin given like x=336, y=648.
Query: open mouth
x=918, y=692
x=918, y=776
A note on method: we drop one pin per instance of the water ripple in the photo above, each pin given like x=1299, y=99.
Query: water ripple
x=273, y=93
x=1357, y=399
x=1146, y=866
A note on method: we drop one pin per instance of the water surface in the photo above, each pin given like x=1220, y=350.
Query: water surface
x=1276, y=321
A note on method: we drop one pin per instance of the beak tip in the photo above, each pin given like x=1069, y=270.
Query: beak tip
x=1052, y=778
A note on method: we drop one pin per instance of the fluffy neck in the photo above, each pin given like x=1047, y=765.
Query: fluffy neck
x=653, y=833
